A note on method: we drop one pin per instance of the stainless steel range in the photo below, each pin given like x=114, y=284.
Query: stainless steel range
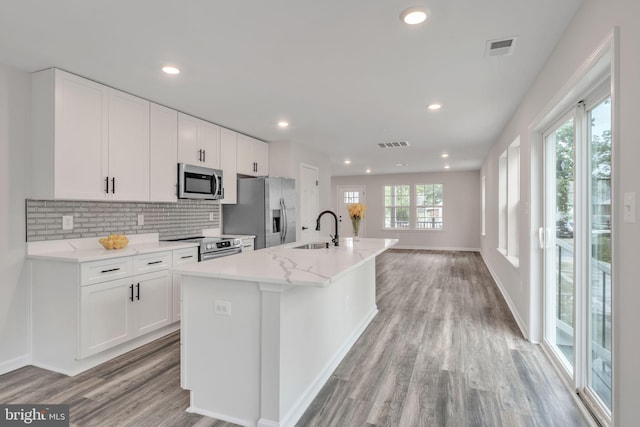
x=213, y=247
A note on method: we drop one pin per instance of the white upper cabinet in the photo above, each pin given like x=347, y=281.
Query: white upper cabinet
x=76, y=167
x=128, y=146
x=253, y=156
x=228, y=156
x=198, y=142
x=86, y=139
x=163, y=153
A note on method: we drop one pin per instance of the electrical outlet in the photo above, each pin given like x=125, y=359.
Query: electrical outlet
x=222, y=308
x=210, y=216
x=140, y=219
x=67, y=222
x=629, y=207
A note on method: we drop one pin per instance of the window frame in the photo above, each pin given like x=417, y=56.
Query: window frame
x=412, y=207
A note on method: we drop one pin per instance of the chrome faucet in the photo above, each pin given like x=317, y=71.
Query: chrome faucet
x=334, y=239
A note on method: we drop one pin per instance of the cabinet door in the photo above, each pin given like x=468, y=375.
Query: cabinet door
x=188, y=150
x=181, y=257
x=209, y=142
x=104, y=316
x=128, y=147
x=163, y=153
x=80, y=135
x=245, y=163
x=247, y=245
x=228, y=165
x=152, y=302
x=261, y=157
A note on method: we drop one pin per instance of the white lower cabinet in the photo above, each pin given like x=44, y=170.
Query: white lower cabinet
x=248, y=244
x=105, y=316
x=151, y=307
x=115, y=311
x=85, y=313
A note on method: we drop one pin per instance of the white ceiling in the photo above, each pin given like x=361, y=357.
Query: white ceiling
x=347, y=74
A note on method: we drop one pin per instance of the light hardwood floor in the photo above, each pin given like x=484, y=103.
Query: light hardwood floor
x=444, y=350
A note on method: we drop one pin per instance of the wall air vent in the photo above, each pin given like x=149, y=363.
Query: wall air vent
x=500, y=47
x=394, y=144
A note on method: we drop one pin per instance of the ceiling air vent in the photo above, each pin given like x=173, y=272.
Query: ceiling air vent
x=500, y=47
x=395, y=144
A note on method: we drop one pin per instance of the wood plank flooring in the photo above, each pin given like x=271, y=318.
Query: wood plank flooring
x=444, y=350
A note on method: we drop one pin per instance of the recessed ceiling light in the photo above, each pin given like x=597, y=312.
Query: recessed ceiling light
x=347, y=162
x=434, y=107
x=446, y=166
x=414, y=15
x=170, y=70
x=401, y=164
x=368, y=171
x=444, y=155
x=283, y=124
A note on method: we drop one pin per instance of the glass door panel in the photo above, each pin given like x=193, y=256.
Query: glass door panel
x=599, y=306
x=559, y=242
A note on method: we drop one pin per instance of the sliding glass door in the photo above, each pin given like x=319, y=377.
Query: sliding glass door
x=560, y=241
x=577, y=245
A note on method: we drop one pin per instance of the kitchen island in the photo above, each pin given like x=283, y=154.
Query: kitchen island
x=263, y=331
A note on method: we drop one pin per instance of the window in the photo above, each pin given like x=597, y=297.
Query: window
x=429, y=206
x=351, y=197
x=509, y=201
x=417, y=207
x=396, y=206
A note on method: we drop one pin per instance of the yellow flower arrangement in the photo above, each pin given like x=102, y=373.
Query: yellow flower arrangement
x=356, y=213
x=356, y=210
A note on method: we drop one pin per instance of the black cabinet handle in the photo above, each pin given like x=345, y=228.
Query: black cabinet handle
x=154, y=262
x=185, y=257
x=204, y=155
x=106, y=185
x=131, y=289
x=113, y=185
x=304, y=228
x=110, y=270
x=137, y=291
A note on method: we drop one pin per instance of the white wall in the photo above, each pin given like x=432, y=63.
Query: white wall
x=461, y=196
x=593, y=22
x=14, y=184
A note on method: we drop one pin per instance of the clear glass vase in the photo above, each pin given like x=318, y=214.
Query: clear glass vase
x=356, y=227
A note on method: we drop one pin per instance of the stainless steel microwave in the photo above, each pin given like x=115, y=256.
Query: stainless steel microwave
x=196, y=182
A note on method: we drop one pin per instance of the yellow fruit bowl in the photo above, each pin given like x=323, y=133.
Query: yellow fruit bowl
x=114, y=241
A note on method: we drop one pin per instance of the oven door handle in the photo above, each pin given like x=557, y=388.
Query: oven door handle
x=220, y=254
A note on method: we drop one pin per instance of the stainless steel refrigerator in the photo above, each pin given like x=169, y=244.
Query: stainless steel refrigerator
x=266, y=207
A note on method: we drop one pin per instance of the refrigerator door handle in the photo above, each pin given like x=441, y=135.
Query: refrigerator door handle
x=286, y=220
x=283, y=216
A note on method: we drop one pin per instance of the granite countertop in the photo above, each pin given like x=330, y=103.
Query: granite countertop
x=289, y=266
x=89, y=249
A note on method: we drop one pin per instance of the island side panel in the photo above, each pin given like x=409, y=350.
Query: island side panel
x=222, y=353
x=318, y=327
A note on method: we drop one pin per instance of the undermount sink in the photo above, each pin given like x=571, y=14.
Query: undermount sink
x=315, y=245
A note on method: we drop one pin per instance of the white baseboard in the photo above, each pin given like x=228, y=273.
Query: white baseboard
x=512, y=307
x=303, y=402
x=15, y=363
x=222, y=417
x=436, y=248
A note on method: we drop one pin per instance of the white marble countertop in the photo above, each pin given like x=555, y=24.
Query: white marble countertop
x=288, y=266
x=89, y=249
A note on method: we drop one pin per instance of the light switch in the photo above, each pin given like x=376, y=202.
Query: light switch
x=629, y=207
x=210, y=216
x=67, y=222
x=140, y=219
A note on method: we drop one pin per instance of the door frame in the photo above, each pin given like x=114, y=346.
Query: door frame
x=340, y=202
x=299, y=223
